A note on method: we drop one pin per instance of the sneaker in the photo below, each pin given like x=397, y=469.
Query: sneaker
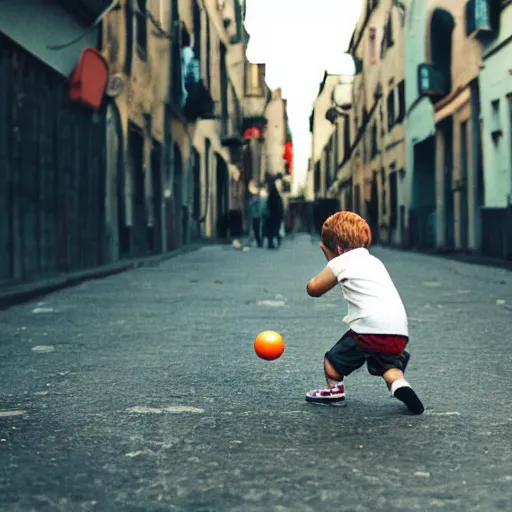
x=327, y=396
x=403, y=392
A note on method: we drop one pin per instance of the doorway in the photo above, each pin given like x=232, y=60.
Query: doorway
x=464, y=207
x=222, y=197
x=422, y=223
x=449, y=214
x=177, y=194
x=156, y=182
x=140, y=226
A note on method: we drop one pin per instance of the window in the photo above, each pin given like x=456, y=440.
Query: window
x=317, y=177
x=196, y=14
x=196, y=176
x=391, y=109
x=141, y=29
x=383, y=192
x=239, y=21
x=255, y=79
x=366, y=145
x=441, y=30
x=357, y=199
x=393, y=200
x=495, y=121
x=374, y=141
x=346, y=138
x=372, y=4
x=401, y=102
x=387, y=38
x=373, y=45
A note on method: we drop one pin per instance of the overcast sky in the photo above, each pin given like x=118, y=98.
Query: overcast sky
x=298, y=40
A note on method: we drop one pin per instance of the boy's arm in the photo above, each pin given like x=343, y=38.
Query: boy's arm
x=322, y=283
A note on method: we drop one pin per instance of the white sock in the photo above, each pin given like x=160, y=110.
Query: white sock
x=400, y=383
x=331, y=383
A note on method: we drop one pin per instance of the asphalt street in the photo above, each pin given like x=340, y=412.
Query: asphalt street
x=141, y=392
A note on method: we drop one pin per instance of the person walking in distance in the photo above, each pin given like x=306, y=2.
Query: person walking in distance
x=275, y=210
x=255, y=212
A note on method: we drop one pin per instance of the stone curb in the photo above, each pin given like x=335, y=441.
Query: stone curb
x=24, y=292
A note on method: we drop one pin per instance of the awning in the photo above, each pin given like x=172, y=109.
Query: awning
x=87, y=10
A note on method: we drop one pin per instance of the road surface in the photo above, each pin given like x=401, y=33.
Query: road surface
x=141, y=392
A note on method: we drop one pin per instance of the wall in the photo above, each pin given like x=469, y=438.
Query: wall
x=393, y=189
x=322, y=128
x=495, y=85
x=465, y=69
x=419, y=121
x=367, y=50
x=460, y=229
x=141, y=101
x=275, y=134
x=206, y=132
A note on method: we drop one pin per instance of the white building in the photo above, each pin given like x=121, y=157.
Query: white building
x=419, y=129
x=496, y=131
x=321, y=131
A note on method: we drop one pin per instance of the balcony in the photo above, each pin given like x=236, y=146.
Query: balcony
x=256, y=96
x=432, y=82
x=190, y=95
x=478, y=19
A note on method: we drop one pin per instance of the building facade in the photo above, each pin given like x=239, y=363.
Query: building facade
x=320, y=175
x=179, y=111
x=362, y=160
x=122, y=130
x=451, y=84
x=494, y=30
x=429, y=159
x=52, y=139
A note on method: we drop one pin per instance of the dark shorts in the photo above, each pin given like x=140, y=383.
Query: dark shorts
x=353, y=350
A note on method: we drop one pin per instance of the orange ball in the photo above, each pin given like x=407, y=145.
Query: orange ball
x=269, y=345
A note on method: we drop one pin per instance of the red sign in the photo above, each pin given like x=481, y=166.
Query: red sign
x=252, y=133
x=89, y=79
x=288, y=155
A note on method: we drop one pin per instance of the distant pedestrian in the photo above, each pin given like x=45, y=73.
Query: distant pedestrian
x=275, y=215
x=378, y=330
x=255, y=212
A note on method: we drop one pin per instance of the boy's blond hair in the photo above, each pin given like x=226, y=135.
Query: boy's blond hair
x=346, y=230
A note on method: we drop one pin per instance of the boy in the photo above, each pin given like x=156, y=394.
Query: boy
x=378, y=332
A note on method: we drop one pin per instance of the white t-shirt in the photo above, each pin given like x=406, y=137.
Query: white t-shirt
x=374, y=305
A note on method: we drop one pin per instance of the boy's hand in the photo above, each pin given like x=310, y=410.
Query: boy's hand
x=327, y=252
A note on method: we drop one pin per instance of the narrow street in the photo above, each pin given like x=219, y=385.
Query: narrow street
x=141, y=392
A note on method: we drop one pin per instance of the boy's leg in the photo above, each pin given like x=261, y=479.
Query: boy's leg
x=391, y=368
x=334, y=393
x=340, y=361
